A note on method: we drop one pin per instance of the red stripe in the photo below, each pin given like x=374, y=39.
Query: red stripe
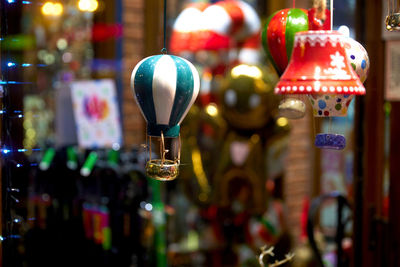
x=236, y=14
x=276, y=38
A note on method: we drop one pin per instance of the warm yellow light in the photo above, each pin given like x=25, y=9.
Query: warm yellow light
x=282, y=122
x=88, y=5
x=247, y=70
x=58, y=9
x=212, y=110
x=52, y=9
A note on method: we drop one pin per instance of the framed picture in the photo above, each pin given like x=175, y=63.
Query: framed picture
x=96, y=113
x=392, y=70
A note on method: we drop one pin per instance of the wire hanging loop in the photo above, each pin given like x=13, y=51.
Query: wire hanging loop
x=150, y=148
x=164, y=49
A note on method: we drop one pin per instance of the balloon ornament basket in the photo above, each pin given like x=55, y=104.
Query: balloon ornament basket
x=162, y=169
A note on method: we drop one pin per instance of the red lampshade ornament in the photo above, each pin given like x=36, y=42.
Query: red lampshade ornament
x=320, y=65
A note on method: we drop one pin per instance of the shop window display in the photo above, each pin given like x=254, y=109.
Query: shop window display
x=74, y=193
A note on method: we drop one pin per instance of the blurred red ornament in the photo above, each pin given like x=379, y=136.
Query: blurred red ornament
x=319, y=65
x=185, y=28
x=226, y=24
x=103, y=32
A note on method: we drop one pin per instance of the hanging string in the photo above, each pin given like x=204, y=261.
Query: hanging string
x=164, y=50
x=294, y=3
x=331, y=2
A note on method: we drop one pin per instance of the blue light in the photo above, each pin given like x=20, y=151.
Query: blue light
x=14, y=82
x=36, y=149
x=20, y=116
x=26, y=64
x=2, y=111
x=6, y=151
x=17, y=111
x=11, y=64
x=11, y=1
x=22, y=150
x=26, y=2
x=19, y=165
x=34, y=164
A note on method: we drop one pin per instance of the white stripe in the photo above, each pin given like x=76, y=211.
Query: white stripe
x=249, y=55
x=188, y=20
x=252, y=23
x=133, y=84
x=196, y=89
x=164, y=88
x=216, y=18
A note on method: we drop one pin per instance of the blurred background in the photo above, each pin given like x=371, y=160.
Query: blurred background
x=73, y=186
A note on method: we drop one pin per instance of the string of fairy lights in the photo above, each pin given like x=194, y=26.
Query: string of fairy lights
x=11, y=154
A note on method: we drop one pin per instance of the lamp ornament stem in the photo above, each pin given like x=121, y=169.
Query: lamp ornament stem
x=320, y=5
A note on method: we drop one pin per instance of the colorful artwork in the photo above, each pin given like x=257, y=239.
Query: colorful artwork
x=96, y=113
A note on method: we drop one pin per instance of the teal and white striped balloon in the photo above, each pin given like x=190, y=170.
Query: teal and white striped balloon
x=165, y=87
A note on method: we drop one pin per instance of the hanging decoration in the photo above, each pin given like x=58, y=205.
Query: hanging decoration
x=164, y=87
x=278, y=40
x=237, y=23
x=319, y=66
x=217, y=36
x=336, y=105
x=185, y=28
x=393, y=17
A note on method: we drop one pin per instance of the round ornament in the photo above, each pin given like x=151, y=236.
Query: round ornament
x=358, y=57
x=246, y=98
x=278, y=35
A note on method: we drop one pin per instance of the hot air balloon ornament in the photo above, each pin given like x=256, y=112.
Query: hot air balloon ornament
x=164, y=87
x=278, y=40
